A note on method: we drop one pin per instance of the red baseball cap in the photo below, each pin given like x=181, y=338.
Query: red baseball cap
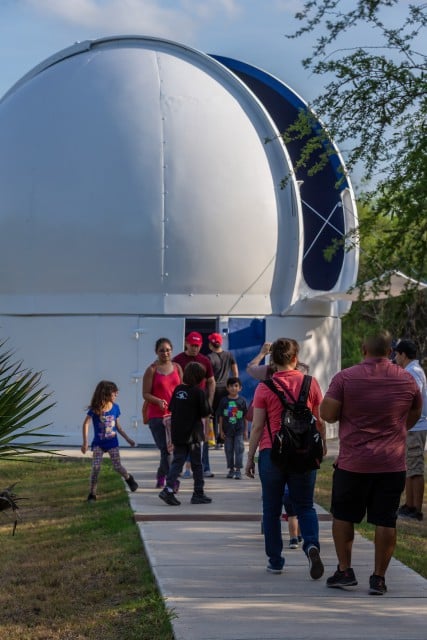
x=215, y=338
x=194, y=338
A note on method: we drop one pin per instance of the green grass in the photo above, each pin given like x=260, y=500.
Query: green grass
x=75, y=570
x=411, y=547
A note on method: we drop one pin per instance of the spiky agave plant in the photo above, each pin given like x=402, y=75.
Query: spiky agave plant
x=22, y=400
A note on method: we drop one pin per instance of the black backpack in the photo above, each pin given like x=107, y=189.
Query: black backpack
x=298, y=446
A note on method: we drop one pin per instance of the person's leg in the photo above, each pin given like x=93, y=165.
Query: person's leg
x=197, y=468
x=205, y=453
x=385, y=543
x=273, y=484
x=415, y=493
x=293, y=526
x=301, y=492
x=158, y=432
x=414, y=486
x=96, y=467
x=116, y=462
x=239, y=449
x=229, y=451
x=180, y=453
x=343, y=535
x=382, y=512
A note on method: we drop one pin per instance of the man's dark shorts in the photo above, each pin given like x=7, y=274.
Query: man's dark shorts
x=376, y=494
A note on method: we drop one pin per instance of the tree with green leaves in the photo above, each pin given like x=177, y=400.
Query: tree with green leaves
x=375, y=100
x=374, y=106
x=22, y=401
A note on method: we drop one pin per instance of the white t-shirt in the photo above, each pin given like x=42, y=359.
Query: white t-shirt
x=417, y=372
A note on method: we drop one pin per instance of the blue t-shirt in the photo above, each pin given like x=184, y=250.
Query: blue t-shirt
x=105, y=428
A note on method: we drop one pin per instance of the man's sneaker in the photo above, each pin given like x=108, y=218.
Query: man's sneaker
x=342, y=579
x=230, y=474
x=160, y=482
x=238, y=475
x=315, y=563
x=131, y=483
x=293, y=543
x=377, y=586
x=208, y=474
x=176, y=486
x=411, y=514
x=200, y=499
x=271, y=569
x=169, y=498
x=404, y=510
x=187, y=474
x=91, y=497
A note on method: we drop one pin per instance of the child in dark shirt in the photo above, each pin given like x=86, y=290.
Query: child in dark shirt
x=188, y=406
x=233, y=427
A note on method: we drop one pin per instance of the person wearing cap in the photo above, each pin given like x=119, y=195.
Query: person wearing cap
x=193, y=344
x=224, y=366
x=405, y=357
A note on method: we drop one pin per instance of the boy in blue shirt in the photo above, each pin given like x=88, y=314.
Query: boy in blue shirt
x=233, y=426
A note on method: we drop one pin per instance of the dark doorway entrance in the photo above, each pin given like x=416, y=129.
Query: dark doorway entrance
x=205, y=326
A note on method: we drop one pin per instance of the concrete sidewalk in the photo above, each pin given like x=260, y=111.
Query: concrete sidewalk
x=209, y=563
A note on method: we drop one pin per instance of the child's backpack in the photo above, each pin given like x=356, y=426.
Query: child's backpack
x=298, y=446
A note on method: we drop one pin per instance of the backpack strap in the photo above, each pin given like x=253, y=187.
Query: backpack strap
x=305, y=390
x=270, y=384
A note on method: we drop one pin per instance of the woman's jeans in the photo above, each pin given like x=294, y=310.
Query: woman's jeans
x=301, y=490
x=158, y=431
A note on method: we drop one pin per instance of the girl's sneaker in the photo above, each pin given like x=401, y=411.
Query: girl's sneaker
x=131, y=483
x=230, y=473
x=238, y=475
x=293, y=543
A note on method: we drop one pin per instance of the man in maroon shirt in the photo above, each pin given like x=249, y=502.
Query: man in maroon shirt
x=375, y=404
x=193, y=344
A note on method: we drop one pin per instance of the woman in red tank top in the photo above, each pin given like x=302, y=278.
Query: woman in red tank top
x=158, y=384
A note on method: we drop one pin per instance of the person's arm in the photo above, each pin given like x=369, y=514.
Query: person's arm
x=413, y=416
x=235, y=370
x=179, y=370
x=330, y=409
x=210, y=387
x=245, y=429
x=221, y=432
x=124, y=434
x=85, y=434
x=264, y=351
x=256, y=433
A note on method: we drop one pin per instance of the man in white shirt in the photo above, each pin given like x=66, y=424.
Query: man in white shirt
x=406, y=352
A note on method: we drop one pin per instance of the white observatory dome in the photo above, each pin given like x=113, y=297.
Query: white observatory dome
x=135, y=177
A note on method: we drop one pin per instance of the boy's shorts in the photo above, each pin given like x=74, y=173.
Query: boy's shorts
x=376, y=494
x=415, y=445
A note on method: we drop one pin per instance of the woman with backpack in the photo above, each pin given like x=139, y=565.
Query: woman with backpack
x=266, y=424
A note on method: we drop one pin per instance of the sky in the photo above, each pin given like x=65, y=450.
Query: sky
x=253, y=31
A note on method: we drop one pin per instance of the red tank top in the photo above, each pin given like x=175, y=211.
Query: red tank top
x=163, y=387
